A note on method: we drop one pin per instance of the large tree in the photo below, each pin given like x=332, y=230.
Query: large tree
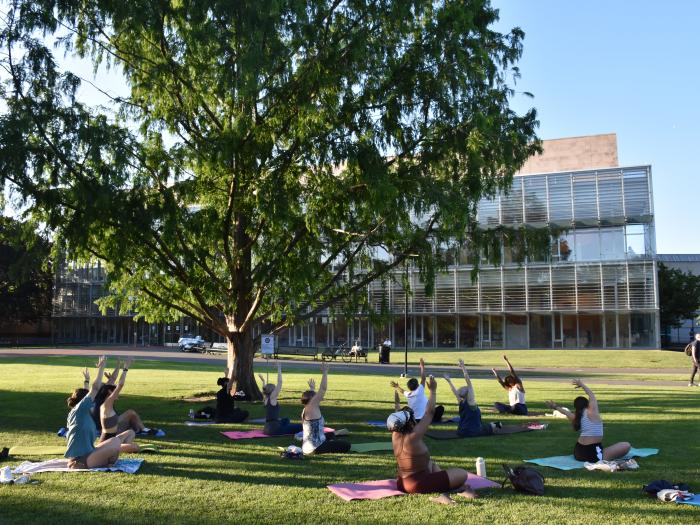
x=271, y=158
x=26, y=280
x=679, y=296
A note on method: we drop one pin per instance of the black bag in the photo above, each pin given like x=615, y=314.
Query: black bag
x=661, y=484
x=525, y=479
x=689, y=348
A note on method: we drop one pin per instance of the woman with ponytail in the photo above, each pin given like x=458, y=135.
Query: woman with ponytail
x=586, y=420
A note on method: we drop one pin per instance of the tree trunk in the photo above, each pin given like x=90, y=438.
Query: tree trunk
x=240, y=359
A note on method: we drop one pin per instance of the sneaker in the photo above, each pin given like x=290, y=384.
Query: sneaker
x=62, y=432
x=22, y=480
x=5, y=475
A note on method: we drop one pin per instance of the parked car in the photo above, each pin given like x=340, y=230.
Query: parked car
x=193, y=344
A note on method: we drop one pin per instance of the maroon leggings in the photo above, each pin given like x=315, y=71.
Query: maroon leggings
x=425, y=482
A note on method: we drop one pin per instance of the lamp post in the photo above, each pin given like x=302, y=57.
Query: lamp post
x=405, y=316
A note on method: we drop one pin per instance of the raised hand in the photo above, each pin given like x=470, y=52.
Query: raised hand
x=432, y=384
x=422, y=363
x=101, y=362
x=394, y=384
x=577, y=383
x=446, y=376
x=86, y=375
x=128, y=362
x=493, y=370
x=312, y=385
x=324, y=367
x=461, y=364
x=505, y=358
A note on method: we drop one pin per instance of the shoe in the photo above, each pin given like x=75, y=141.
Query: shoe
x=62, y=432
x=22, y=480
x=154, y=432
x=691, y=384
x=6, y=475
x=628, y=464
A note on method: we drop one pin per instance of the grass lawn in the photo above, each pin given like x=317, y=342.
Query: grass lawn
x=200, y=477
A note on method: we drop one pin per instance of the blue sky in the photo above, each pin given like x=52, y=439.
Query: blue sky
x=625, y=67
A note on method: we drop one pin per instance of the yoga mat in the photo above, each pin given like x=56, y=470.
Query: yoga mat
x=507, y=429
x=199, y=423
x=695, y=500
x=37, y=450
x=385, y=488
x=371, y=447
x=442, y=434
x=256, y=433
x=130, y=466
x=382, y=423
x=570, y=463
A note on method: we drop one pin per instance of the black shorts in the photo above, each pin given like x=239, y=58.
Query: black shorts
x=591, y=453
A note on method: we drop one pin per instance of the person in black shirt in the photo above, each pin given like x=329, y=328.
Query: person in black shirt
x=226, y=411
x=695, y=359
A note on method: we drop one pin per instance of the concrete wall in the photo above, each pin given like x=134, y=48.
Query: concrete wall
x=574, y=153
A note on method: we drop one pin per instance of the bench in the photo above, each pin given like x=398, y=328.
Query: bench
x=296, y=350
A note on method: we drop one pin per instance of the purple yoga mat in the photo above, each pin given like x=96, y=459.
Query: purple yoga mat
x=257, y=433
x=385, y=488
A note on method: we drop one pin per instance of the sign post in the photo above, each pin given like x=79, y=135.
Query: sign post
x=267, y=349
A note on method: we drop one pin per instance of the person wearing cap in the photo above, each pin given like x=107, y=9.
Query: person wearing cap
x=415, y=396
x=417, y=473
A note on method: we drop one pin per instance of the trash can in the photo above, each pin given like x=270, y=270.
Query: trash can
x=384, y=353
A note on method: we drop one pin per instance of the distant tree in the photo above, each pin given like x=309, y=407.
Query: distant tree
x=272, y=158
x=26, y=280
x=679, y=295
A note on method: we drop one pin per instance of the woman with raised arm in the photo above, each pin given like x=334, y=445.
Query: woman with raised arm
x=470, y=424
x=274, y=425
x=587, y=421
x=314, y=439
x=516, y=392
x=417, y=473
x=226, y=411
x=82, y=431
x=109, y=420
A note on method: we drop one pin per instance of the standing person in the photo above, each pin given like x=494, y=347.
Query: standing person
x=416, y=398
x=82, y=431
x=314, y=439
x=470, y=424
x=274, y=425
x=516, y=392
x=385, y=351
x=587, y=420
x=226, y=411
x=695, y=359
x=109, y=420
x=417, y=473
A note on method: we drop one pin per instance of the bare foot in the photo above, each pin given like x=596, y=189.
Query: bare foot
x=443, y=499
x=467, y=492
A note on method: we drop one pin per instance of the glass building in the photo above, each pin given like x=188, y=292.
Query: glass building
x=594, y=288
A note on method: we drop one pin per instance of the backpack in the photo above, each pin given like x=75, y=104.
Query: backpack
x=661, y=484
x=525, y=479
x=689, y=348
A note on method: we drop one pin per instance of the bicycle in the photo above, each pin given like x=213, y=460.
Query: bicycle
x=345, y=353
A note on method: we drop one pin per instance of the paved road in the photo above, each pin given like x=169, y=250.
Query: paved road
x=540, y=374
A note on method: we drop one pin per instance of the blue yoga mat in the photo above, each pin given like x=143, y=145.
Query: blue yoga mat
x=695, y=500
x=570, y=463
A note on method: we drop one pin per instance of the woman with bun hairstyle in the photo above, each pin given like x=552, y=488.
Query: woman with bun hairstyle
x=226, y=411
x=274, y=425
x=586, y=420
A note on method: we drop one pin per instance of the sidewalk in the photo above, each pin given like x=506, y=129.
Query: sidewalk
x=561, y=375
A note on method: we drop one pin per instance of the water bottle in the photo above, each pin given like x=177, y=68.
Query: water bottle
x=481, y=467
x=191, y=414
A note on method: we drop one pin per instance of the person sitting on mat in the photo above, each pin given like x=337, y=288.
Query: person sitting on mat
x=109, y=420
x=82, y=431
x=417, y=473
x=470, y=424
x=516, y=392
x=415, y=396
x=274, y=425
x=226, y=411
x=127, y=420
x=587, y=420
x=314, y=439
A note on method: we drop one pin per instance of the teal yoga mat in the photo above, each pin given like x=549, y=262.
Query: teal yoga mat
x=371, y=447
x=570, y=463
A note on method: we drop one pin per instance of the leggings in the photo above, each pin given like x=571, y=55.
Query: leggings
x=237, y=416
x=519, y=409
x=693, y=371
x=332, y=445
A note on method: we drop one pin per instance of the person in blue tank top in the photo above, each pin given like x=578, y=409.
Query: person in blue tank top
x=587, y=421
x=274, y=425
x=82, y=431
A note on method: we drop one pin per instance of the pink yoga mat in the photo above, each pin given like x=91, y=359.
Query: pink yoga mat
x=385, y=488
x=251, y=434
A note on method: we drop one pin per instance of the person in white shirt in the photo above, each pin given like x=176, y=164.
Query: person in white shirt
x=415, y=396
x=516, y=392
